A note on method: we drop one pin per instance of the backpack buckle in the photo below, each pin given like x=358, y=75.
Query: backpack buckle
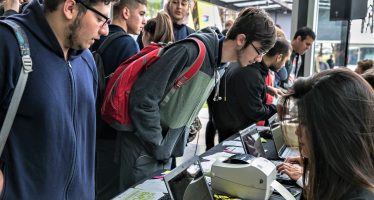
x=27, y=63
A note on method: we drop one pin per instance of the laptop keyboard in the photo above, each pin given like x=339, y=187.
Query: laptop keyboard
x=290, y=152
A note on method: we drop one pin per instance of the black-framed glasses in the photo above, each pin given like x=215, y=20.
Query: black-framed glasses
x=106, y=20
x=259, y=51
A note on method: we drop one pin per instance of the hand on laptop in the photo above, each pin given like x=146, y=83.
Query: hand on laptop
x=294, y=171
x=294, y=160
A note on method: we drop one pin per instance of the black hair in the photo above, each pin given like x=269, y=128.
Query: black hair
x=256, y=25
x=131, y=4
x=282, y=46
x=51, y=5
x=304, y=32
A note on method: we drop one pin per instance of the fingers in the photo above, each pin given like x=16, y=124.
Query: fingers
x=293, y=159
x=293, y=171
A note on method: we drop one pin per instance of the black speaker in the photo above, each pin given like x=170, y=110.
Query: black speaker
x=348, y=9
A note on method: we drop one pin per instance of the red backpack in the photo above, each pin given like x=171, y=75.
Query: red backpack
x=115, y=107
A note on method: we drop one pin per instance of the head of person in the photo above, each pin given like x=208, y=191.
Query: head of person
x=279, y=54
x=336, y=116
x=158, y=29
x=178, y=10
x=85, y=21
x=254, y=34
x=369, y=77
x=303, y=40
x=364, y=65
x=280, y=32
x=228, y=24
x=130, y=15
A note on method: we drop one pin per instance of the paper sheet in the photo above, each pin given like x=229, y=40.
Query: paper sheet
x=218, y=155
x=153, y=185
x=138, y=194
x=234, y=150
x=232, y=143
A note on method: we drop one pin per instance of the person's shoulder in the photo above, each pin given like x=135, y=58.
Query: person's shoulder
x=6, y=32
x=88, y=57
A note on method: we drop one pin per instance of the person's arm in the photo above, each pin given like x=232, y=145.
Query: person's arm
x=248, y=90
x=147, y=93
x=274, y=91
x=10, y=68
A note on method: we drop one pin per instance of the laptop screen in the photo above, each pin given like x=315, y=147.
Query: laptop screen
x=278, y=139
x=188, y=182
x=251, y=141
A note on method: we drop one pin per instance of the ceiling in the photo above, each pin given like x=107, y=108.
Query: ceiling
x=265, y=4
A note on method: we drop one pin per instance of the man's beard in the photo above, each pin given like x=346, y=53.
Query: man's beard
x=72, y=35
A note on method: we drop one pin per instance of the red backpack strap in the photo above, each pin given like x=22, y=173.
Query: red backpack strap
x=195, y=67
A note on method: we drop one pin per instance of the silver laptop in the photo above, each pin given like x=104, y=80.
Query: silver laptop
x=282, y=149
x=187, y=182
x=251, y=141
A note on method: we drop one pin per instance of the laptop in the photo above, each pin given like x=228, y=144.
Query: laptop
x=251, y=141
x=187, y=182
x=283, y=151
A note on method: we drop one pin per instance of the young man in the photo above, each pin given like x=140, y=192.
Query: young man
x=50, y=152
x=160, y=128
x=128, y=17
x=301, y=43
x=179, y=11
x=244, y=92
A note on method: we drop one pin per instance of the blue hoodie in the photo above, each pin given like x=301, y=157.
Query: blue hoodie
x=50, y=152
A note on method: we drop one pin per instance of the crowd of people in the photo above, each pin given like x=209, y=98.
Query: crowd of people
x=60, y=148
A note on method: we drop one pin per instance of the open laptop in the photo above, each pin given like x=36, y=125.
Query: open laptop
x=187, y=182
x=282, y=149
x=251, y=141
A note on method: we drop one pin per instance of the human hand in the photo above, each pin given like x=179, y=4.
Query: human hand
x=294, y=171
x=11, y=5
x=294, y=160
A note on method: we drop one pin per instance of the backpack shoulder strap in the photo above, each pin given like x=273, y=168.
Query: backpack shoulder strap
x=195, y=65
x=21, y=83
x=109, y=40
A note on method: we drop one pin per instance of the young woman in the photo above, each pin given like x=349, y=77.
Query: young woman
x=158, y=29
x=336, y=134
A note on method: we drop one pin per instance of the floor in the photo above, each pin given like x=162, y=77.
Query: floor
x=197, y=146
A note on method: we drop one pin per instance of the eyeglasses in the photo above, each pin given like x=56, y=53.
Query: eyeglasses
x=106, y=20
x=259, y=51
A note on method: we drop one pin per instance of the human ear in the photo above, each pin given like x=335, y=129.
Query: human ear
x=70, y=9
x=240, y=40
x=126, y=13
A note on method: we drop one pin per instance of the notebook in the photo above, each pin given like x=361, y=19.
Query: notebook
x=251, y=141
x=187, y=182
x=282, y=149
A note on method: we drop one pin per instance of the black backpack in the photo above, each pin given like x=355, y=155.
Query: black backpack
x=102, y=78
x=99, y=63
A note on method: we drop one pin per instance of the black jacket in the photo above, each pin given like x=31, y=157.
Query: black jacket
x=243, y=91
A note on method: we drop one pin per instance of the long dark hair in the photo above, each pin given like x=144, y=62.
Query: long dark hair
x=336, y=110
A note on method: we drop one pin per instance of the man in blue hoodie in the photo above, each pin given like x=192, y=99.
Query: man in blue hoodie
x=50, y=152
